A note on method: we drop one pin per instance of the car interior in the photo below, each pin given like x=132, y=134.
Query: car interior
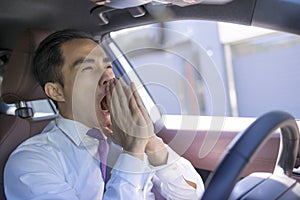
x=231, y=166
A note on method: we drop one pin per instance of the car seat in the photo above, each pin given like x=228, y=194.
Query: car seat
x=19, y=86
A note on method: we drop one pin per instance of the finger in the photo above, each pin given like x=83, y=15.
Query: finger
x=115, y=98
x=110, y=90
x=111, y=97
x=127, y=90
x=142, y=119
x=116, y=138
x=137, y=96
x=132, y=102
x=111, y=107
x=122, y=94
x=108, y=95
x=135, y=107
x=137, y=116
x=116, y=135
x=139, y=103
x=120, y=107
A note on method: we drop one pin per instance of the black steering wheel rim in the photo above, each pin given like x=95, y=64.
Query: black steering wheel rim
x=221, y=182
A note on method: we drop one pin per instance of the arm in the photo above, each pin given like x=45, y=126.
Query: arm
x=157, y=153
x=133, y=130
x=177, y=179
x=131, y=176
x=30, y=174
x=130, y=179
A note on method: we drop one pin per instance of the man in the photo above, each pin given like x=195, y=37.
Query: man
x=64, y=161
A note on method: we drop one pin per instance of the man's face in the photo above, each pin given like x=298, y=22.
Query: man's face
x=85, y=74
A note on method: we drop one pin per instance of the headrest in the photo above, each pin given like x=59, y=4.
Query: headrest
x=19, y=83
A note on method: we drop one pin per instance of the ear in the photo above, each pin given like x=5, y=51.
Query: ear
x=54, y=91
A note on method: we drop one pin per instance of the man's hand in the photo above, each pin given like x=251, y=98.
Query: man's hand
x=132, y=126
x=131, y=123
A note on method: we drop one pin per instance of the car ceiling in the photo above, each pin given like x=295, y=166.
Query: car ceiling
x=18, y=15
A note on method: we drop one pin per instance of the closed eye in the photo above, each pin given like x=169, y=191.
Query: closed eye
x=87, y=68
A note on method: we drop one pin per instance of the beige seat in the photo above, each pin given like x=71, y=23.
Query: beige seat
x=20, y=86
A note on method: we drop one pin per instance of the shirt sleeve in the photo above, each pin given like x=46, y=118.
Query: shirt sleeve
x=130, y=179
x=170, y=178
x=30, y=175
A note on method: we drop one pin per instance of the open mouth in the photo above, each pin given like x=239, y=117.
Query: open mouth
x=104, y=105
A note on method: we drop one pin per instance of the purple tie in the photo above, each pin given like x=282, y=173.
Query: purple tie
x=102, y=149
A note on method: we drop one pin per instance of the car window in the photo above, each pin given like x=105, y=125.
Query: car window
x=215, y=69
x=41, y=108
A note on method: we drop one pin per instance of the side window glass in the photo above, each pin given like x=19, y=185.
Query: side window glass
x=43, y=108
x=40, y=108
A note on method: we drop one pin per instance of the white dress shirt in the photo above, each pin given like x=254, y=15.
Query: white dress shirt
x=63, y=163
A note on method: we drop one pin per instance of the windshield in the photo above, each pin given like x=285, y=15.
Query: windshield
x=215, y=69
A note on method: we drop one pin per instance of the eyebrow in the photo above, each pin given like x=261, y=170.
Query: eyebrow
x=83, y=60
x=88, y=60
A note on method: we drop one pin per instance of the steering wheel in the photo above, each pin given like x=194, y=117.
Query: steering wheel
x=221, y=182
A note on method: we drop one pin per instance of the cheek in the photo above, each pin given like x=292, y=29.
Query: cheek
x=85, y=97
x=84, y=92
x=83, y=106
x=85, y=87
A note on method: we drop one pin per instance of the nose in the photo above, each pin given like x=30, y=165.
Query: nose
x=107, y=75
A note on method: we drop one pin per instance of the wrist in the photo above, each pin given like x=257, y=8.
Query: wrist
x=136, y=149
x=154, y=144
x=135, y=154
x=156, y=151
x=159, y=157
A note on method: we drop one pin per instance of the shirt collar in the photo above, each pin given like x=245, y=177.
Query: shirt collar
x=76, y=131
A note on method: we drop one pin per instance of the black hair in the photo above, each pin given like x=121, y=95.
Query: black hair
x=48, y=59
